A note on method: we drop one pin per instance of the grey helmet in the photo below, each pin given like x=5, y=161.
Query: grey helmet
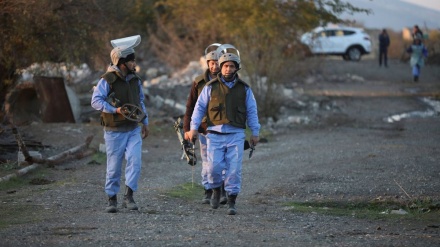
x=226, y=55
x=123, y=47
x=211, y=55
x=229, y=57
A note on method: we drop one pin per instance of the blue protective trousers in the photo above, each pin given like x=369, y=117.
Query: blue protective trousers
x=416, y=70
x=204, y=158
x=120, y=145
x=225, y=154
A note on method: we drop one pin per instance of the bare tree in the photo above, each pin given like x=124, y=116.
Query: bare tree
x=58, y=31
x=266, y=33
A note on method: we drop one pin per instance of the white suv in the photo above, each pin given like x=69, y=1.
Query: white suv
x=349, y=42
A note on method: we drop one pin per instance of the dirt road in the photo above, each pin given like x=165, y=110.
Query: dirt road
x=348, y=178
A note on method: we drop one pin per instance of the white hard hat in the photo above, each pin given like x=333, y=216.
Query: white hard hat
x=123, y=47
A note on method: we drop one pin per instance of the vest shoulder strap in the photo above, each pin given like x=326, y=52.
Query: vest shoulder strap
x=110, y=77
x=199, y=78
x=239, y=80
x=212, y=81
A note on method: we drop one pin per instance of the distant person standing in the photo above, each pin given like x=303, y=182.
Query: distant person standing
x=384, y=43
x=418, y=54
x=417, y=33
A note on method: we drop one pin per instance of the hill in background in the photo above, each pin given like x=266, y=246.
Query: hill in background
x=394, y=14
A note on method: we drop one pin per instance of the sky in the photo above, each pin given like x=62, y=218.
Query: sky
x=397, y=14
x=432, y=4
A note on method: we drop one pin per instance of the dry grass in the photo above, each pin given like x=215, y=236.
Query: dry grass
x=399, y=44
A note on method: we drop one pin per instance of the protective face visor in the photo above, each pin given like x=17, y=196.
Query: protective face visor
x=123, y=47
x=227, y=48
x=211, y=54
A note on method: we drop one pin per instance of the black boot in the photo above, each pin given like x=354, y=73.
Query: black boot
x=112, y=204
x=128, y=199
x=207, y=198
x=215, y=200
x=416, y=78
x=231, y=205
x=223, y=198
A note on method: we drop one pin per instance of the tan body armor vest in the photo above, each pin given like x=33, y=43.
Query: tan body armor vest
x=227, y=105
x=125, y=93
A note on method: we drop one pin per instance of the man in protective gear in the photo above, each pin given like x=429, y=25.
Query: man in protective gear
x=123, y=133
x=211, y=58
x=229, y=105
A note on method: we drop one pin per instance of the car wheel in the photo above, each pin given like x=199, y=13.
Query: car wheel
x=354, y=54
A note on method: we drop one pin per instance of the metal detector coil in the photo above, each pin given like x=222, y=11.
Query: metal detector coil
x=187, y=147
x=133, y=113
